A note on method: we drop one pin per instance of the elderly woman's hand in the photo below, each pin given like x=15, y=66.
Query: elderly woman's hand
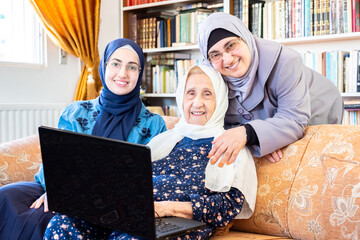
x=173, y=209
x=41, y=200
x=229, y=145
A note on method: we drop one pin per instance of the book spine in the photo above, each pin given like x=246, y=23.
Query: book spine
x=332, y=17
x=307, y=18
x=345, y=17
x=339, y=17
x=357, y=16
x=326, y=17
x=358, y=72
x=349, y=14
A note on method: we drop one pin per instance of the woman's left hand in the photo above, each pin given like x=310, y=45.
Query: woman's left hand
x=40, y=201
x=229, y=145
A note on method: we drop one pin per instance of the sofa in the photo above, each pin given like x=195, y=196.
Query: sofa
x=312, y=193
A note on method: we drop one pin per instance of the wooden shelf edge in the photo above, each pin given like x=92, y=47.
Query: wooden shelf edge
x=319, y=39
x=159, y=95
x=172, y=49
x=158, y=4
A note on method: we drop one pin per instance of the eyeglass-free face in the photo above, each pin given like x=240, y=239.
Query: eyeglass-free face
x=230, y=56
x=199, y=99
x=122, y=71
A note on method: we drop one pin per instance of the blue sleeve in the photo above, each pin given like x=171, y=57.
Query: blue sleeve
x=64, y=123
x=219, y=209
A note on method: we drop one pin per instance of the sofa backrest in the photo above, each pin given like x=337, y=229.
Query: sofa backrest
x=314, y=191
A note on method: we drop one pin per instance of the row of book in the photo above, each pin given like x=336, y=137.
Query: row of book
x=299, y=18
x=165, y=78
x=351, y=117
x=339, y=66
x=168, y=28
x=138, y=2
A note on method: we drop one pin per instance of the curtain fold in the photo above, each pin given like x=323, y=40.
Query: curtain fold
x=73, y=25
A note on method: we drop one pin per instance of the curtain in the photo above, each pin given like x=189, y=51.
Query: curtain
x=73, y=25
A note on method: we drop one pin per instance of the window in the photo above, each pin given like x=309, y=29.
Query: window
x=21, y=35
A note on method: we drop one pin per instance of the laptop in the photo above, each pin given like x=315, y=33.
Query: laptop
x=106, y=182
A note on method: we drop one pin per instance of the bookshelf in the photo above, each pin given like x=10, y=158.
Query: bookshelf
x=316, y=42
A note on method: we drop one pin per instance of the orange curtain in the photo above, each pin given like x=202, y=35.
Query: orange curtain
x=73, y=25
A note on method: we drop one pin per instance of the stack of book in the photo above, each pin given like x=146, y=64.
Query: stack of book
x=169, y=28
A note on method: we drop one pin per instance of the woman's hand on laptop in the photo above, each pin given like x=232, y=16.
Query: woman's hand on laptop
x=41, y=200
x=173, y=209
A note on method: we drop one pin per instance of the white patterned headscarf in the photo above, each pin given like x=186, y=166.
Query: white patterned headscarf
x=241, y=174
x=239, y=88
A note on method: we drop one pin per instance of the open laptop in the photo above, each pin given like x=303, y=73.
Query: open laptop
x=106, y=182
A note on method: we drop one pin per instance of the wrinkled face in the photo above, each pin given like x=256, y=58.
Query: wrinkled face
x=199, y=99
x=236, y=57
x=122, y=71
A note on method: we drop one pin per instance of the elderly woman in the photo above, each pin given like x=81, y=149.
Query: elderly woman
x=185, y=184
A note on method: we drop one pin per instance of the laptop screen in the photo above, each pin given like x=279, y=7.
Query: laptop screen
x=104, y=181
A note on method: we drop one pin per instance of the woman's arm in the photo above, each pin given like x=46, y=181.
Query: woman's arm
x=219, y=209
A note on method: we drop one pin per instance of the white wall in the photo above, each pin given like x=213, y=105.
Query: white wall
x=54, y=83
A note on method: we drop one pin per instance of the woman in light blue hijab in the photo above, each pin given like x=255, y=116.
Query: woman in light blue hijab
x=117, y=113
x=273, y=96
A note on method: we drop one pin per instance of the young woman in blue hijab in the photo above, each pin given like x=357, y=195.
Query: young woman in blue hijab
x=117, y=113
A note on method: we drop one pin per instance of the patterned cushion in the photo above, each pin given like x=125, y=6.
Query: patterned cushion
x=314, y=191
x=19, y=160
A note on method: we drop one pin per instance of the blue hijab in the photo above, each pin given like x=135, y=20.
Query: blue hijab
x=118, y=112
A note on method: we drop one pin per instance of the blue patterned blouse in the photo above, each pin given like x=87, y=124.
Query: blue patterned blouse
x=181, y=177
x=80, y=116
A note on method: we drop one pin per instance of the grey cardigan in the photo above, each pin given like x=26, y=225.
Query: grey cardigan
x=285, y=97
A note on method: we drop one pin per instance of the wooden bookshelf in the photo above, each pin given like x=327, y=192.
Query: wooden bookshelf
x=341, y=41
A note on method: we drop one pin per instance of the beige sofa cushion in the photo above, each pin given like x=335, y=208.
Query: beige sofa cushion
x=19, y=160
x=314, y=191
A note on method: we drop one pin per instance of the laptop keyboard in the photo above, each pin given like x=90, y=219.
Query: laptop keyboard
x=163, y=226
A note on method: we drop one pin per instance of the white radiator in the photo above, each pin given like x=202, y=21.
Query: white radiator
x=21, y=120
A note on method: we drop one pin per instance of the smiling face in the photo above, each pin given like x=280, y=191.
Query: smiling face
x=232, y=64
x=199, y=99
x=120, y=75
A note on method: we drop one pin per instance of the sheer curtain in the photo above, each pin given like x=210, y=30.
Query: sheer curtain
x=73, y=25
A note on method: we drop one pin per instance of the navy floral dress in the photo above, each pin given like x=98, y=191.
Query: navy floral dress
x=177, y=177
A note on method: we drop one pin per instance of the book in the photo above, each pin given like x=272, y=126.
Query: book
x=132, y=19
x=332, y=17
x=358, y=72
x=192, y=6
x=307, y=18
x=341, y=69
x=357, y=16
x=326, y=16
